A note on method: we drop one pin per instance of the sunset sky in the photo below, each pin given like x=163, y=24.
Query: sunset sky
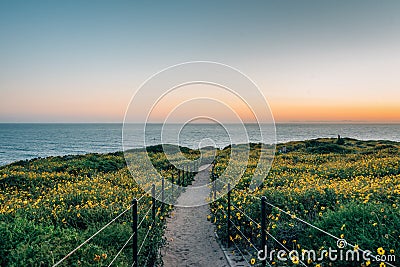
x=70, y=61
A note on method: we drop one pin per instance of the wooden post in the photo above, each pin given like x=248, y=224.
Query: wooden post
x=135, y=233
x=183, y=176
x=229, y=215
x=172, y=186
x=162, y=193
x=153, y=202
x=263, y=227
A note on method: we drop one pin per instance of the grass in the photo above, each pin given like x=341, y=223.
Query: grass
x=50, y=206
x=349, y=188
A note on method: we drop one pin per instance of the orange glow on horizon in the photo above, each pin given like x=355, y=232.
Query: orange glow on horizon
x=110, y=108
x=335, y=113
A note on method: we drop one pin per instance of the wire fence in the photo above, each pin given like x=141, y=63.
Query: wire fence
x=157, y=208
x=250, y=246
x=246, y=245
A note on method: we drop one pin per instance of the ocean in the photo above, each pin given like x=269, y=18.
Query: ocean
x=20, y=141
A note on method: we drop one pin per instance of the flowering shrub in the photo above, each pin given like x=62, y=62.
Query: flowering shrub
x=50, y=206
x=352, y=192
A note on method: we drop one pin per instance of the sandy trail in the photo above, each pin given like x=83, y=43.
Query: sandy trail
x=190, y=237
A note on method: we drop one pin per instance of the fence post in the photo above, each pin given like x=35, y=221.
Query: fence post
x=153, y=202
x=215, y=189
x=183, y=176
x=229, y=215
x=263, y=228
x=162, y=193
x=172, y=186
x=135, y=233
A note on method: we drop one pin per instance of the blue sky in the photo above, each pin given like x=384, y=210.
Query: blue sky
x=82, y=60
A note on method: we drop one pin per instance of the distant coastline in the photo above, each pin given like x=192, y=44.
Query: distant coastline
x=20, y=141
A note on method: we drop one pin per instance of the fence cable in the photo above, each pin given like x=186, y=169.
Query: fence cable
x=147, y=259
x=293, y=216
x=303, y=221
x=91, y=237
x=247, y=216
x=122, y=248
x=144, y=217
x=145, y=237
x=96, y=233
x=251, y=244
x=241, y=253
x=282, y=245
x=241, y=233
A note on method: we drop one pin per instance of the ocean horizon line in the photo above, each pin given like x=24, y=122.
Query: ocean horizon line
x=211, y=123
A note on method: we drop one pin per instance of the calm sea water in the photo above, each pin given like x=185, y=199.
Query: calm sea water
x=26, y=141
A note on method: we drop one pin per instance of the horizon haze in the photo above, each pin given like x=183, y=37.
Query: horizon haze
x=313, y=61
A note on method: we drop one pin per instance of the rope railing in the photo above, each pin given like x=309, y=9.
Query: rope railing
x=294, y=217
x=283, y=246
x=231, y=223
x=122, y=248
x=268, y=233
x=145, y=237
x=183, y=178
x=247, y=239
x=96, y=233
x=241, y=233
x=214, y=180
x=241, y=253
x=91, y=237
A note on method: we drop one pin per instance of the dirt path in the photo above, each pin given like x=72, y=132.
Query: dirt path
x=190, y=237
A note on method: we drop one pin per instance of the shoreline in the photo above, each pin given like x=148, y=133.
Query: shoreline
x=385, y=141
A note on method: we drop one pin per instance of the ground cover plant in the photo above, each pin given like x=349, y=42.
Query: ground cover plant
x=349, y=188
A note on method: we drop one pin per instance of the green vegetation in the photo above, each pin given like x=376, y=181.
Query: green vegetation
x=349, y=188
x=50, y=206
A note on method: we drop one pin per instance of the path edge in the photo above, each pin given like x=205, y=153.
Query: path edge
x=224, y=250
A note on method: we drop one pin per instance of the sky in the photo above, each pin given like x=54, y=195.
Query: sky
x=81, y=61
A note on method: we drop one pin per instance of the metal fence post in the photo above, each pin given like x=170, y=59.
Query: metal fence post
x=172, y=186
x=135, y=233
x=153, y=202
x=263, y=228
x=215, y=189
x=183, y=176
x=229, y=215
x=185, y=173
x=162, y=193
